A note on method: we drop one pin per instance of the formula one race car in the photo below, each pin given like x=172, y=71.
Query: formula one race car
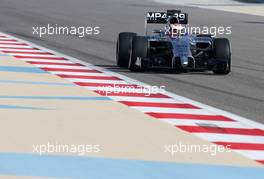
x=172, y=47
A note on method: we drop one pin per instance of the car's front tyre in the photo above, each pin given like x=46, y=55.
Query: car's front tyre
x=123, y=47
x=222, y=53
x=139, y=51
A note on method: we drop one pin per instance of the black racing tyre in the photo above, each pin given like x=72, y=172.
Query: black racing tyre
x=222, y=52
x=139, y=50
x=123, y=47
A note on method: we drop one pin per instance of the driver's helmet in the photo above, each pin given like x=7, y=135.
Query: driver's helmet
x=176, y=29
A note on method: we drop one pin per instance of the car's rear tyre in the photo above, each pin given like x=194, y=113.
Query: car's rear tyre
x=139, y=50
x=123, y=47
x=222, y=53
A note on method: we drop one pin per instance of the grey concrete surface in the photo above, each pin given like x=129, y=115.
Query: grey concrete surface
x=241, y=92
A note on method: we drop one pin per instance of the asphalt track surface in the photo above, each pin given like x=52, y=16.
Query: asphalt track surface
x=241, y=92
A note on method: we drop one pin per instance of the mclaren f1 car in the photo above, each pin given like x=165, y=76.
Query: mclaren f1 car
x=172, y=47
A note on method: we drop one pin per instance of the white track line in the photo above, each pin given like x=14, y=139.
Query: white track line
x=61, y=66
x=78, y=73
x=31, y=55
x=172, y=110
x=252, y=154
x=188, y=122
x=16, y=46
x=11, y=43
x=117, y=82
x=20, y=50
x=51, y=61
x=214, y=137
x=143, y=99
x=5, y=38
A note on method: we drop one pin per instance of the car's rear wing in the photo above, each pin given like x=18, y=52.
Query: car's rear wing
x=163, y=17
